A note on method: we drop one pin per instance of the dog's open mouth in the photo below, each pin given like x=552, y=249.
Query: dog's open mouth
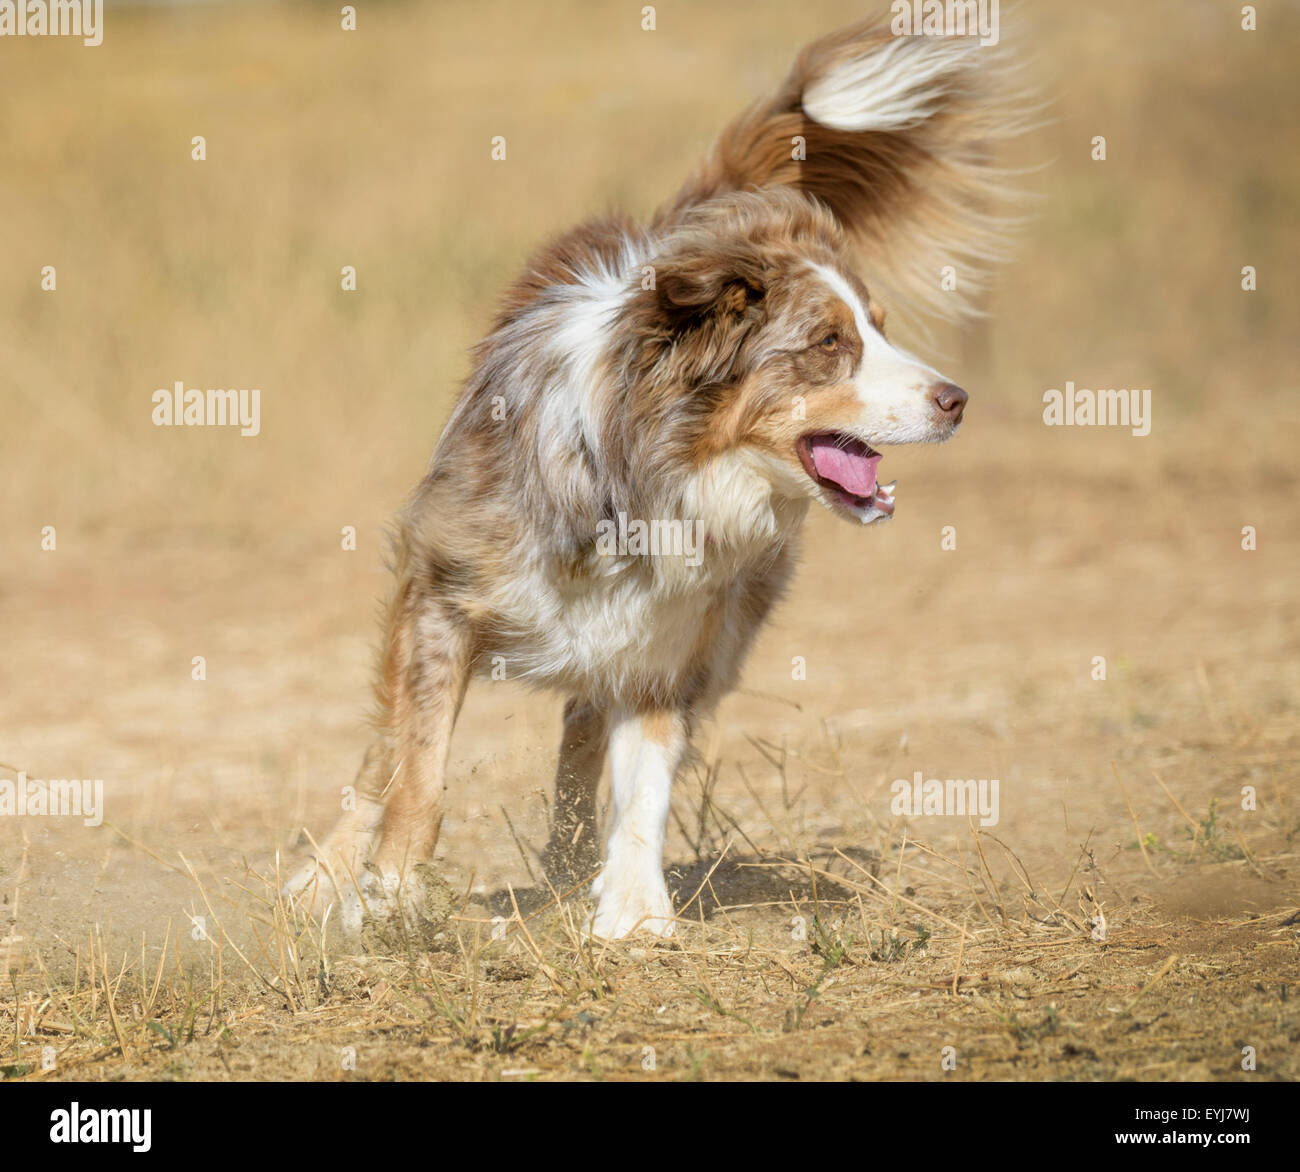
x=845, y=468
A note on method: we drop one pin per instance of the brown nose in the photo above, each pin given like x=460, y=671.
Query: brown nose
x=950, y=400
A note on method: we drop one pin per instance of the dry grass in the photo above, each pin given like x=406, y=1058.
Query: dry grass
x=821, y=937
x=931, y=962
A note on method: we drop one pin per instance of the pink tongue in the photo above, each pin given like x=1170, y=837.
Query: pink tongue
x=851, y=468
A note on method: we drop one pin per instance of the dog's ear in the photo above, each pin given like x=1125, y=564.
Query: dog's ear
x=707, y=299
x=709, y=286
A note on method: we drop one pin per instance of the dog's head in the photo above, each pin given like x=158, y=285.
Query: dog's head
x=760, y=347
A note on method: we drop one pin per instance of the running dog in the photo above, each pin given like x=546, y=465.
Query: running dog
x=720, y=367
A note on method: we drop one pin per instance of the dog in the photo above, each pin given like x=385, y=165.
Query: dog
x=715, y=370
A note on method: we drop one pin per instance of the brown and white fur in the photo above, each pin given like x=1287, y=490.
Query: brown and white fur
x=724, y=363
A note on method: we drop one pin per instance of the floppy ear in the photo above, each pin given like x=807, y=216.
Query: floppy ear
x=706, y=299
x=705, y=285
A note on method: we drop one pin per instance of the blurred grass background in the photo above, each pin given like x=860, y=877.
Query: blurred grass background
x=327, y=148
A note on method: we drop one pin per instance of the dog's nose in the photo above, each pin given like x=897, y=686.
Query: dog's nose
x=950, y=399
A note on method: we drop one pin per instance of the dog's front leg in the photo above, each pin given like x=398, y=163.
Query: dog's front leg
x=422, y=683
x=645, y=749
x=334, y=869
x=427, y=671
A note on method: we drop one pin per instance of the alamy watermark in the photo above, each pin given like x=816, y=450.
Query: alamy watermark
x=945, y=18
x=949, y=798
x=30, y=797
x=1113, y=407
x=178, y=407
x=102, y=1125
x=53, y=18
x=654, y=538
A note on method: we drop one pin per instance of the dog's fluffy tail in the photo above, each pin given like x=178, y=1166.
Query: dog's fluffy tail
x=896, y=135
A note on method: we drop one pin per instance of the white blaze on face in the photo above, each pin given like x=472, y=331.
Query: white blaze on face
x=894, y=388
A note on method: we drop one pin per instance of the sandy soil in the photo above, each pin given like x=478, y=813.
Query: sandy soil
x=921, y=933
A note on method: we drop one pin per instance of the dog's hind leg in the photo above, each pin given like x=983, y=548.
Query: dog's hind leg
x=572, y=853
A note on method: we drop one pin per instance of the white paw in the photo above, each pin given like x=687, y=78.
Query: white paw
x=639, y=905
x=391, y=911
x=310, y=889
x=319, y=891
x=328, y=878
x=375, y=894
x=368, y=894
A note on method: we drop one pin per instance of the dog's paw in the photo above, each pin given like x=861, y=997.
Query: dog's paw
x=328, y=877
x=310, y=890
x=375, y=907
x=330, y=896
x=624, y=908
x=391, y=912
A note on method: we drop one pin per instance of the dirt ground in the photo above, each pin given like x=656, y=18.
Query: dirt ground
x=917, y=934
x=1134, y=913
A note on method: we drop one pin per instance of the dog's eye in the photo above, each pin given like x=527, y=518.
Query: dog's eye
x=830, y=343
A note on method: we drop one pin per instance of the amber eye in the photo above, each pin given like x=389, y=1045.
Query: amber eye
x=830, y=343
